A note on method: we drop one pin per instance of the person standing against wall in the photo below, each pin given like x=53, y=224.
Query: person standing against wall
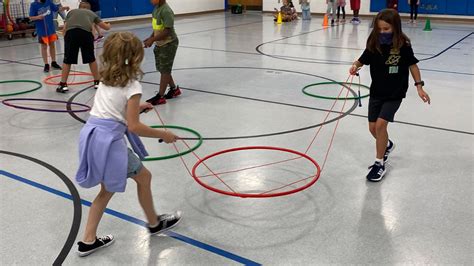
x=341, y=5
x=413, y=10
x=305, y=9
x=355, y=6
x=393, y=4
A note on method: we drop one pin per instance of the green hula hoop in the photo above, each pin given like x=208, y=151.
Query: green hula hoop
x=177, y=154
x=334, y=98
x=21, y=92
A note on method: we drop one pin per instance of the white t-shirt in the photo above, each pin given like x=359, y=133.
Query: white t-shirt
x=111, y=102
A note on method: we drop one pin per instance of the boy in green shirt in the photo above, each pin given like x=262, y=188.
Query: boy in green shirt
x=166, y=44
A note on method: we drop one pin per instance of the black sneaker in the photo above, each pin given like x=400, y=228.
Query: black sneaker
x=156, y=100
x=388, y=150
x=62, y=88
x=377, y=171
x=165, y=223
x=101, y=242
x=55, y=65
x=173, y=93
x=96, y=84
x=46, y=68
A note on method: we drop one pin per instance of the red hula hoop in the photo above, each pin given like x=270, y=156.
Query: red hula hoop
x=246, y=195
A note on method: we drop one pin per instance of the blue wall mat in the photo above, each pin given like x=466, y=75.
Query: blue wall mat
x=375, y=5
x=108, y=8
x=445, y=7
x=124, y=8
x=457, y=7
x=433, y=6
x=470, y=7
x=141, y=7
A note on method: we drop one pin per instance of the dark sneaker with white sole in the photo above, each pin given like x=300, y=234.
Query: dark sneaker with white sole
x=96, y=84
x=101, y=242
x=173, y=93
x=156, y=100
x=165, y=223
x=62, y=88
x=376, y=173
x=388, y=150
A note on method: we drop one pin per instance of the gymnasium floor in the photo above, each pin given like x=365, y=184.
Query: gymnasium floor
x=242, y=78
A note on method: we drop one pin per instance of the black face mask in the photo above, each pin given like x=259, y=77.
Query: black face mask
x=42, y=1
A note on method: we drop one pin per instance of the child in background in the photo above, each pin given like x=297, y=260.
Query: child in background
x=166, y=44
x=331, y=9
x=306, y=9
x=62, y=14
x=95, y=7
x=390, y=56
x=41, y=12
x=288, y=13
x=393, y=4
x=294, y=14
x=341, y=5
x=413, y=10
x=105, y=159
x=355, y=6
x=78, y=36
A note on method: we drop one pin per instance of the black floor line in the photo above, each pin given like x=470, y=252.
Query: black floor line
x=445, y=50
x=306, y=107
x=76, y=221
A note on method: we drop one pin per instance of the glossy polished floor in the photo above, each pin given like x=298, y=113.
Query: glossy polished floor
x=242, y=78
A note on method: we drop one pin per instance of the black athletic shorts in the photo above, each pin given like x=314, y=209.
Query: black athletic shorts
x=384, y=109
x=76, y=39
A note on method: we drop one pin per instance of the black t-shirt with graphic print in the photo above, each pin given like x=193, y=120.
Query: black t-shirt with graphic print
x=389, y=71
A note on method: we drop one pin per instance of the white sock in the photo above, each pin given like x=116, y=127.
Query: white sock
x=388, y=143
x=379, y=161
x=88, y=243
x=154, y=225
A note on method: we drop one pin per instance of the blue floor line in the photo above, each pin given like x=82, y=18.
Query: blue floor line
x=137, y=221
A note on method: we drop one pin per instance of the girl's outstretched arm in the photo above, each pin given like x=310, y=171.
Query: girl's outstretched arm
x=135, y=126
x=415, y=72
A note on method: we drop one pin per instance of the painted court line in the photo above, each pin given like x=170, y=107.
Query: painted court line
x=137, y=221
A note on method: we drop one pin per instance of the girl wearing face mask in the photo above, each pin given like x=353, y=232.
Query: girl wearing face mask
x=390, y=56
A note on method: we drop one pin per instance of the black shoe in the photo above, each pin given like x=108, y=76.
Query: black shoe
x=96, y=84
x=377, y=171
x=55, y=65
x=62, y=88
x=173, y=93
x=165, y=223
x=388, y=150
x=101, y=242
x=156, y=100
x=46, y=68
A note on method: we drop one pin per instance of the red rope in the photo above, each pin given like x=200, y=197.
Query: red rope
x=325, y=119
x=273, y=163
x=335, y=128
x=185, y=165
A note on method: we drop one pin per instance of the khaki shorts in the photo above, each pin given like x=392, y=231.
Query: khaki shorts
x=164, y=56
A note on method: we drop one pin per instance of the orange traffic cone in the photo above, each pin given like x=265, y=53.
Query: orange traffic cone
x=325, y=21
x=279, y=20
